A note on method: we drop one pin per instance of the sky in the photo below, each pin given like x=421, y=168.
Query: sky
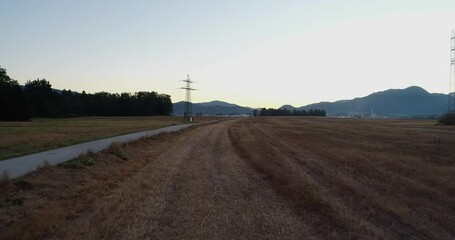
x=256, y=53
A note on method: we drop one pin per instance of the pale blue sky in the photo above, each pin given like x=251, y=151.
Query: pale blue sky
x=255, y=53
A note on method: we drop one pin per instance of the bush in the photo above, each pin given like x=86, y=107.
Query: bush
x=116, y=150
x=447, y=119
x=4, y=179
x=80, y=163
x=118, y=153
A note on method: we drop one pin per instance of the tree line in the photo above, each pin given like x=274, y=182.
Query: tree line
x=37, y=99
x=295, y=112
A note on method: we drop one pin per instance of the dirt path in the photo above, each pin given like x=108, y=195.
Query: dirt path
x=198, y=189
x=207, y=192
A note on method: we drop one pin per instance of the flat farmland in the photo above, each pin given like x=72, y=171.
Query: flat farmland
x=252, y=178
x=21, y=138
x=379, y=179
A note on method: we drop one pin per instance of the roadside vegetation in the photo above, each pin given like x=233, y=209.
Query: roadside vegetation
x=81, y=162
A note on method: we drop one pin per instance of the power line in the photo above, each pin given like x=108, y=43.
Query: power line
x=452, y=74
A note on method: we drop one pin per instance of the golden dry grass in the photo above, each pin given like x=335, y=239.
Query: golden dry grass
x=21, y=138
x=376, y=179
x=255, y=178
x=185, y=185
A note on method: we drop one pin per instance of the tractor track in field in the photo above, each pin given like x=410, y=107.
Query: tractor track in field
x=197, y=188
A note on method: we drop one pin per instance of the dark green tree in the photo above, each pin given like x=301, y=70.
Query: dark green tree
x=42, y=100
x=13, y=103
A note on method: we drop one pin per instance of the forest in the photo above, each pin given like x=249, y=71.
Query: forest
x=37, y=98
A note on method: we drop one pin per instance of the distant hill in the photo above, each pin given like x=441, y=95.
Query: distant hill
x=213, y=108
x=217, y=103
x=288, y=107
x=409, y=102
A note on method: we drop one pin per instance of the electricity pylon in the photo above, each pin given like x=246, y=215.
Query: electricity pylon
x=188, y=113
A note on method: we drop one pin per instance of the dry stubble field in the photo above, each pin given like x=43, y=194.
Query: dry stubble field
x=254, y=178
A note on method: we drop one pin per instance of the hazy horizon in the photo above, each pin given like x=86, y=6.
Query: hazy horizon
x=255, y=53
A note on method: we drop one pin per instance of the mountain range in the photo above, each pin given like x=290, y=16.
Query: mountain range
x=409, y=102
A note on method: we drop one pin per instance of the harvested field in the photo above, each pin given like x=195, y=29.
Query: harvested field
x=21, y=138
x=377, y=179
x=255, y=178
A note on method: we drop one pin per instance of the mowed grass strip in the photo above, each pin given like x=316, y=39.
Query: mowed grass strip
x=22, y=138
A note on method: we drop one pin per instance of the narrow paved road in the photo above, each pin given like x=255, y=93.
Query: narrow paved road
x=199, y=189
x=18, y=167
